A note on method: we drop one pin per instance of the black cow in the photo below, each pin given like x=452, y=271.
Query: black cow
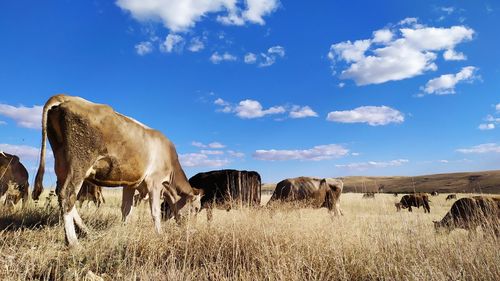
x=414, y=200
x=13, y=174
x=451, y=196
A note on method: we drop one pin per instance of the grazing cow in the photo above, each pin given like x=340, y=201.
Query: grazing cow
x=227, y=188
x=369, y=195
x=451, y=196
x=469, y=213
x=93, y=142
x=395, y=195
x=313, y=192
x=398, y=206
x=415, y=200
x=90, y=192
x=434, y=193
x=13, y=173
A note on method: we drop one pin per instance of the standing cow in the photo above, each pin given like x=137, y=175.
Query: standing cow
x=90, y=192
x=227, y=188
x=414, y=200
x=13, y=174
x=469, y=213
x=93, y=142
x=451, y=197
x=313, y=192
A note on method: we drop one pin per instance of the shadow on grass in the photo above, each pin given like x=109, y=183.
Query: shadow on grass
x=29, y=218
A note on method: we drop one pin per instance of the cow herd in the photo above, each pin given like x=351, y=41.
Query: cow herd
x=95, y=146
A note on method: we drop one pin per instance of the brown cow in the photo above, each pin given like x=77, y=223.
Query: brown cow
x=90, y=192
x=369, y=195
x=414, y=200
x=13, y=173
x=469, y=213
x=313, y=192
x=93, y=142
x=451, y=197
x=434, y=193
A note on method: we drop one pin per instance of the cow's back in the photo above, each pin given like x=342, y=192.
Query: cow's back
x=297, y=189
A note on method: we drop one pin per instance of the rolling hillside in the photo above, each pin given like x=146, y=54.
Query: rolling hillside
x=469, y=182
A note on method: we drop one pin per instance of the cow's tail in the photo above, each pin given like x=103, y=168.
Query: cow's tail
x=52, y=102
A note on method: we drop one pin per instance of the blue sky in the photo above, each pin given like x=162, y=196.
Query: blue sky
x=286, y=88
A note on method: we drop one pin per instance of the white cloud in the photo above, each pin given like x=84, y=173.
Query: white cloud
x=492, y=119
x=212, y=145
x=226, y=106
x=487, y=126
x=196, y=45
x=382, y=36
x=27, y=117
x=448, y=10
x=217, y=58
x=3, y=122
x=180, y=15
x=269, y=58
x=24, y=152
x=481, y=149
x=444, y=161
x=451, y=54
x=341, y=85
x=497, y=107
x=373, y=115
x=317, y=153
x=250, y=58
x=408, y=50
x=302, y=112
x=236, y=154
x=249, y=109
x=201, y=160
x=211, y=152
x=445, y=84
x=373, y=164
x=173, y=42
x=144, y=48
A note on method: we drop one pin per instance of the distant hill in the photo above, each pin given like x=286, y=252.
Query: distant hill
x=470, y=182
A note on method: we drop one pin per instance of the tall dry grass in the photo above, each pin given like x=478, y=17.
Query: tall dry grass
x=371, y=241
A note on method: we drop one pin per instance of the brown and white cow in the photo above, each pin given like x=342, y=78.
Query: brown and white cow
x=469, y=213
x=90, y=192
x=312, y=192
x=93, y=142
x=13, y=179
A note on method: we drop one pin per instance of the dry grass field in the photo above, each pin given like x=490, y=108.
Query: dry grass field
x=370, y=242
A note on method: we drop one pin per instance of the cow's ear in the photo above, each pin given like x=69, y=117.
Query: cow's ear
x=197, y=191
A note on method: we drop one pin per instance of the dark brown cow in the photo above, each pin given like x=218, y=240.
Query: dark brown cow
x=451, y=197
x=93, y=142
x=90, y=192
x=313, y=192
x=434, y=193
x=369, y=195
x=469, y=213
x=13, y=174
x=227, y=189
x=414, y=200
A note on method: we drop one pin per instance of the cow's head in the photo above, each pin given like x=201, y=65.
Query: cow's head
x=439, y=227
x=188, y=204
x=13, y=194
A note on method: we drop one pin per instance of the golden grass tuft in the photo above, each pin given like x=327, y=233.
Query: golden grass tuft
x=371, y=241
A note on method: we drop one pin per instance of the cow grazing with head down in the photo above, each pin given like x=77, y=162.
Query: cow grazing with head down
x=414, y=200
x=93, y=142
x=469, y=213
x=13, y=178
x=434, y=193
x=227, y=189
x=451, y=197
x=90, y=192
x=369, y=195
x=312, y=192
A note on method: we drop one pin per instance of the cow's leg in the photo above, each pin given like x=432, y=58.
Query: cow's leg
x=127, y=202
x=409, y=209
x=155, y=206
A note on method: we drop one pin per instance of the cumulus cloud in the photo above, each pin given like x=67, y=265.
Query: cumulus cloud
x=481, y=149
x=201, y=160
x=486, y=126
x=144, y=48
x=372, y=115
x=213, y=145
x=250, y=58
x=211, y=152
x=317, y=153
x=249, y=109
x=403, y=51
x=236, y=154
x=497, y=107
x=302, y=112
x=24, y=152
x=173, y=42
x=196, y=45
x=451, y=54
x=181, y=15
x=373, y=164
x=445, y=84
x=269, y=58
x=27, y=117
x=217, y=58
